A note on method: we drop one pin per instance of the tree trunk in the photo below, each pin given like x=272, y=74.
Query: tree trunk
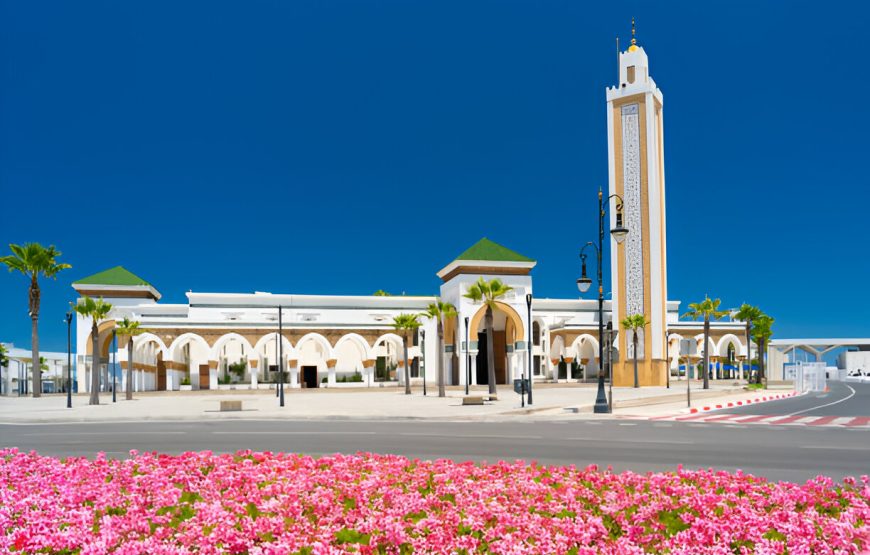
x=441, y=390
x=130, y=369
x=634, y=340
x=36, y=367
x=407, y=369
x=761, y=360
x=490, y=352
x=706, y=351
x=95, y=365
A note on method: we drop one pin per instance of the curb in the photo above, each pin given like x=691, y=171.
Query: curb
x=747, y=401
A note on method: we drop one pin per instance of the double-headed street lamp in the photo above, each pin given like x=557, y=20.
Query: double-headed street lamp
x=619, y=232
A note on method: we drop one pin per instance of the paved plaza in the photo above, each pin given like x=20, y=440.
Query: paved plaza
x=556, y=402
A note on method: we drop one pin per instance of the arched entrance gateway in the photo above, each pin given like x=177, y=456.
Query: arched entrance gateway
x=507, y=330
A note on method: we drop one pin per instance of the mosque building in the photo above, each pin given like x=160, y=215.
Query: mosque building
x=220, y=340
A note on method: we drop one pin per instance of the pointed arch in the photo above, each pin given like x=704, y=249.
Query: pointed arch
x=268, y=341
x=356, y=339
x=722, y=347
x=582, y=342
x=215, y=352
x=147, y=337
x=318, y=339
x=711, y=345
x=184, y=338
x=509, y=312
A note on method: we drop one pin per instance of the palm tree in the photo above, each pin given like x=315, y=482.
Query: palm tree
x=762, y=331
x=706, y=309
x=404, y=323
x=128, y=329
x=96, y=311
x=381, y=293
x=440, y=311
x=488, y=292
x=749, y=314
x=32, y=259
x=635, y=322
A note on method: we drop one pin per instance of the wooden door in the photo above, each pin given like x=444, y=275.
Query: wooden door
x=203, y=376
x=161, y=375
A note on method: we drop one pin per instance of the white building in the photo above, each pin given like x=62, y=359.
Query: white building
x=345, y=340
x=17, y=378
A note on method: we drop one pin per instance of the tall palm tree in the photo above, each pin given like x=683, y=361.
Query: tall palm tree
x=762, y=331
x=488, y=292
x=634, y=323
x=405, y=323
x=749, y=314
x=96, y=311
x=33, y=260
x=706, y=309
x=440, y=311
x=128, y=329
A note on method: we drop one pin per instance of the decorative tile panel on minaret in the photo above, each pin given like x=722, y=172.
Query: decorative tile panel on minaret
x=636, y=167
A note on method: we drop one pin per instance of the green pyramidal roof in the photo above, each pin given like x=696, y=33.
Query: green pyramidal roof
x=113, y=276
x=490, y=250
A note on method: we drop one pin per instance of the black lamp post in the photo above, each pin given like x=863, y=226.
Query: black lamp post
x=467, y=358
x=531, y=378
x=69, y=359
x=280, y=358
x=423, y=358
x=619, y=232
x=609, y=336
x=114, y=348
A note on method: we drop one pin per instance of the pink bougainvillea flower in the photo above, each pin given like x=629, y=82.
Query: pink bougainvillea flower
x=273, y=503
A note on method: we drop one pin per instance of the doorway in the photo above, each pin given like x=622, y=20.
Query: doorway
x=309, y=376
x=203, y=376
x=499, y=356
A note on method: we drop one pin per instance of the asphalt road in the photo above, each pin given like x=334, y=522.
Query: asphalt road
x=775, y=452
x=842, y=399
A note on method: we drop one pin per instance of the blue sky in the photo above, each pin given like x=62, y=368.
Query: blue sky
x=249, y=146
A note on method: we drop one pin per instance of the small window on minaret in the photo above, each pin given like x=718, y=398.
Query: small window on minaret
x=630, y=74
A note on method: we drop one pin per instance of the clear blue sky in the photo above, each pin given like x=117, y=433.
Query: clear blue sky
x=345, y=147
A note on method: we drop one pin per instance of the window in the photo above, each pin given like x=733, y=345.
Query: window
x=630, y=74
x=536, y=334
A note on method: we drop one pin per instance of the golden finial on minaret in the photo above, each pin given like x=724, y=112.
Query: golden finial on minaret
x=633, y=46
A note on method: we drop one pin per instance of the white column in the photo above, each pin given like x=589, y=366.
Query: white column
x=473, y=368
x=294, y=375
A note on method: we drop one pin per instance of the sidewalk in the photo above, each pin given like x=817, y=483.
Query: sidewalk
x=551, y=402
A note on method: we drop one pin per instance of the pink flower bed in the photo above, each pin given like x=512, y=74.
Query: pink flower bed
x=264, y=503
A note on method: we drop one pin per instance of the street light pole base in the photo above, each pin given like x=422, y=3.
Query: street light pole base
x=601, y=408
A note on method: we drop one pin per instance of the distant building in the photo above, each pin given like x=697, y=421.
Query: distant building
x=17, y=378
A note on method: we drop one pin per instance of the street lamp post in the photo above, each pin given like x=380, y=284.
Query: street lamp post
x=531, y=377
x=280, y=358
x=69, y=359
x=619, y=232
x=114, y=362
x=610, y=363
x=467, y=358
x=423, y=358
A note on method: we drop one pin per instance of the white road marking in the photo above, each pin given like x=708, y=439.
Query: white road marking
x=104, y=433
x=626, y=423
x=637, y=440
x=826, y=405
x=472, y=436
x=846, y=448
x=286, y=433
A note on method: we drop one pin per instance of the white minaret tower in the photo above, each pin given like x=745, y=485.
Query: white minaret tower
x=637, y=174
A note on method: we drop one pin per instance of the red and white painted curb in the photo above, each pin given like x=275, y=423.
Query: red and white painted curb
x=732, y=404
x=862, y=422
